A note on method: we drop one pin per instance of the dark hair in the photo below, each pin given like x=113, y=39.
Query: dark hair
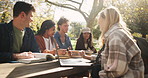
x=21, y=6
x=61, y=21
x=47, y=24
x=89, y=41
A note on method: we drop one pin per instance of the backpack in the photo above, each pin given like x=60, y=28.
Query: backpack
x=143, y=45
x=96, y=66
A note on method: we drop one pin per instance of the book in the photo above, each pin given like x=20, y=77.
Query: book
x=65, y=56
x=38, y=57
x=62, y=54
x=75, y=53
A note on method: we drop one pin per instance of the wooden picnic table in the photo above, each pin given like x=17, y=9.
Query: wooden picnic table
x=49, y=69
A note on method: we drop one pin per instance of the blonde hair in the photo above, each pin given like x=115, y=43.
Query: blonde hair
x=111, y=15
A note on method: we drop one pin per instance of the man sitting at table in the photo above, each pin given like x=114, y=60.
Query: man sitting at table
x=16, y=38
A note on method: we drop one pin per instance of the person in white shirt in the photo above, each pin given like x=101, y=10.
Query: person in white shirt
x=44, y=37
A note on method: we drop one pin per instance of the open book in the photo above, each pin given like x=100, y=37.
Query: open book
x=39, y=57
x=75, y=53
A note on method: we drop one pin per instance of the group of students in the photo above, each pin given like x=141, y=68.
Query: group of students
x=48, y=39
x=121, y=57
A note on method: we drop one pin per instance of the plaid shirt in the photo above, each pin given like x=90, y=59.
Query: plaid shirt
x=121, y=57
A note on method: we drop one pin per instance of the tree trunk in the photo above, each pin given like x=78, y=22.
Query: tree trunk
x=90, y=23
x=97, y=7
x=89, y=18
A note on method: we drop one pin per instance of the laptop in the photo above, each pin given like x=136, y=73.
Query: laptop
x=73, y=62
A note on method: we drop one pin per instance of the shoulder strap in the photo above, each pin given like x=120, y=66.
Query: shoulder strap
x=99, y=53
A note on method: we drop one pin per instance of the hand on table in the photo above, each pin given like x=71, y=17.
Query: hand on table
x=24, y=55
x=50, y=51
x=62, y=51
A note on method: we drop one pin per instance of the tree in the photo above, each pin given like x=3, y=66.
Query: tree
x=140, y=17
x=5, y=11
x=42, y=13
x=136, y=17
x=96, y=32
x=89, y=17
x=75, y=29
x=134, y=13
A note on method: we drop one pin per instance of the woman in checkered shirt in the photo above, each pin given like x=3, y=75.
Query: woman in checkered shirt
x=121, y=57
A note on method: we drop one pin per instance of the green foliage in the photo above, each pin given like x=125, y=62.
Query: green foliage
x=37, y=21
x=136, y=16
x=137, y=34
x=73, y=42
x=5, y=17
x=96, y=32
x=140, y=18
x=75, y=29
x=5, y=11
x=43, y=13
x=134, y=13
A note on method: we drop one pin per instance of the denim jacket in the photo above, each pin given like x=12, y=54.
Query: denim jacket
x=6, y=42
x=58, y=40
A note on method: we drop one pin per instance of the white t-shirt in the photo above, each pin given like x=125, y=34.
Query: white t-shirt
x=48, y=43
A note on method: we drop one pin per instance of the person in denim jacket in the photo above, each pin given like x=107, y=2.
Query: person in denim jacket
x=61, y=37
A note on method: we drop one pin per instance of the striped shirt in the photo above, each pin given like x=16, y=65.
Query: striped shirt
x=121, y=57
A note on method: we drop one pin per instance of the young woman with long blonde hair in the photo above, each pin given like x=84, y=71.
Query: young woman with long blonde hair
x=121, y=57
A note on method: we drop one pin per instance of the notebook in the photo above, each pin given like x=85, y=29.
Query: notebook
x=73, y=62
